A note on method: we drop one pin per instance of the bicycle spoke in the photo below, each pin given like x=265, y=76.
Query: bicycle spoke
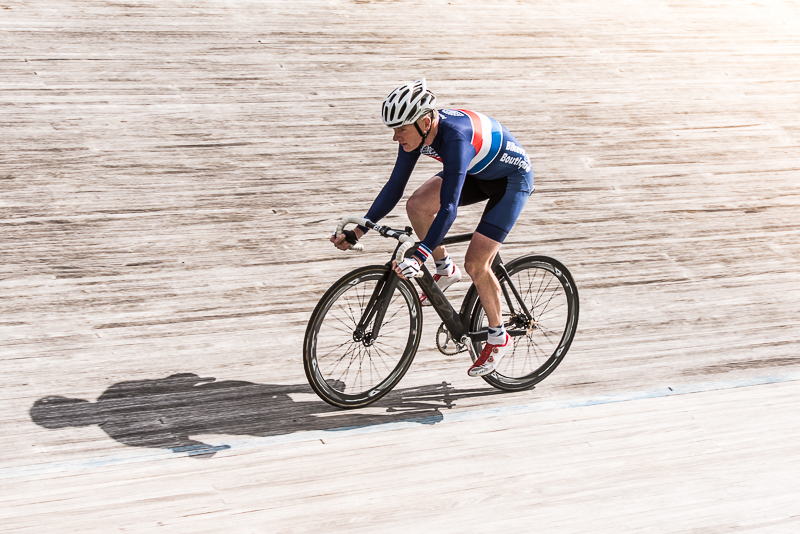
x=353, y=356
x=380, y=356
x=347, y=328
x=347, y=354
x=335, y=349
x=544, y=293
x=546, y=303
x=356, y=366
x=348, y=311
x=550, y=310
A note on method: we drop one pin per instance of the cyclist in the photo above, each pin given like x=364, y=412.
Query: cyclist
x=481, y=161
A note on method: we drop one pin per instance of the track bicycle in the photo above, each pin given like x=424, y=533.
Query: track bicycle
x=366, y=329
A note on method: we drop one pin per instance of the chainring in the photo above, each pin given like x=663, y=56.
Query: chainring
x=446, y=344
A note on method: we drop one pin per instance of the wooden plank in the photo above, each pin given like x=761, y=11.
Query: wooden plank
x=170, y=174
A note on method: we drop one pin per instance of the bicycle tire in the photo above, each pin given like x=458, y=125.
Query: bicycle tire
x=550, y=293
x=330, y=348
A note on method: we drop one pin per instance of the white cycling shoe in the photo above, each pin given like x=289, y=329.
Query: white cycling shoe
x=443, y=282
x=490, y=358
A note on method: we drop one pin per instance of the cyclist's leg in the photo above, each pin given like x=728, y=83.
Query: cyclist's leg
x=478, y=264
x=507, y=197
x=422, y=207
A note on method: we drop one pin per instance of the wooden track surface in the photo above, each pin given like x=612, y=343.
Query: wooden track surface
x=170, y=173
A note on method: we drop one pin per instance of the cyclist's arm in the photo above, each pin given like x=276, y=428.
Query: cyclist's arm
x=392, y=192
x=456, y=157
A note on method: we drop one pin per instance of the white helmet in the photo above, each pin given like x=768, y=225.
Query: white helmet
x=407, y=103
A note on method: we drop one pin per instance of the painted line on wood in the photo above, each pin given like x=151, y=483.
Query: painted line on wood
x=137, y=456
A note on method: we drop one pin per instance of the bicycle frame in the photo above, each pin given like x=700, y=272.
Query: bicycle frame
x=457, y=323
x=353, y=338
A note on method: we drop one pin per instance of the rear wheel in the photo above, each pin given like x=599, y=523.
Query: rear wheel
x=345, y=366
x=550, y=295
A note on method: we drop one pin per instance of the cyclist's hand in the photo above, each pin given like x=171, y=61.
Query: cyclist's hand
x=346, y=238
x=340, y=242
x=408, y=268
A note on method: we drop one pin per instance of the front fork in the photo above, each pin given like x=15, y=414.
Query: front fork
x=376, y=309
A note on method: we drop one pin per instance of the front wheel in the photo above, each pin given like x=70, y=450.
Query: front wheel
x=551, y=297
x=348, y=366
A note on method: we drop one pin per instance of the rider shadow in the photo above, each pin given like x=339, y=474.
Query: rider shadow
x=165, y=413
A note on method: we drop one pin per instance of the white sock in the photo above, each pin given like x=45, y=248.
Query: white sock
x=497, y=335
x=445, y=267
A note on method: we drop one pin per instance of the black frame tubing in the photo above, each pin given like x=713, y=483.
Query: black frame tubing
x=457, y=323
x=376, y=308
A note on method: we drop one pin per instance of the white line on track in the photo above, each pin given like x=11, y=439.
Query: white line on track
x=448, y=417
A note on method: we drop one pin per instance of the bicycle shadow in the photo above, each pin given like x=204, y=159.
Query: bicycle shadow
x=165, y=413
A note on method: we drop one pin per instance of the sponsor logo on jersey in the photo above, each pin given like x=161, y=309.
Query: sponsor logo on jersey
x=451, y=112
x=487, y=139
x=514, y=147
x=519, y=161
x=426, y=150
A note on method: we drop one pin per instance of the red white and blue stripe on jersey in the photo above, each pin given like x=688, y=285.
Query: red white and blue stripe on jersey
x=487, y=139
x=467, y=143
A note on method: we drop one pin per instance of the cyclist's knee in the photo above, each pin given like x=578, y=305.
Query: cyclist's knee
x=481, y=252
x=476, y=268
x=420, y=204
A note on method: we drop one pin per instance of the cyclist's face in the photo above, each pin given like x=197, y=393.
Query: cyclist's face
x=407, y=136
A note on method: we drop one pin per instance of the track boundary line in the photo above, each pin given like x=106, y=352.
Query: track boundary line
x=449, y=417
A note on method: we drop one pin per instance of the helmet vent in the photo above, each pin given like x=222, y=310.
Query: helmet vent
x=407, y=103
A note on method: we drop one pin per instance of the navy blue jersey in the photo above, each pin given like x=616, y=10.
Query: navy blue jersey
x=466, y=143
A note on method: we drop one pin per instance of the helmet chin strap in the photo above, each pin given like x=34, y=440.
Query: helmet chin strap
x=422, y=134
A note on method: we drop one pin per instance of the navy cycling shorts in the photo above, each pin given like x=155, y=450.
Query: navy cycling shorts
x=507, y=196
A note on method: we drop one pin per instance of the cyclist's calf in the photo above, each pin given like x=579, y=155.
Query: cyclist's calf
x=478, y=264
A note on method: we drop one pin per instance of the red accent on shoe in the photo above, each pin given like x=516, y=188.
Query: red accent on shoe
x=486, y=362
x=454, y=277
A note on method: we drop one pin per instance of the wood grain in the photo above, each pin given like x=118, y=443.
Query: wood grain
x=169, y=175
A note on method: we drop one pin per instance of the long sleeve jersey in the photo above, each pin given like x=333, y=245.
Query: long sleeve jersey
x=466, y=142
